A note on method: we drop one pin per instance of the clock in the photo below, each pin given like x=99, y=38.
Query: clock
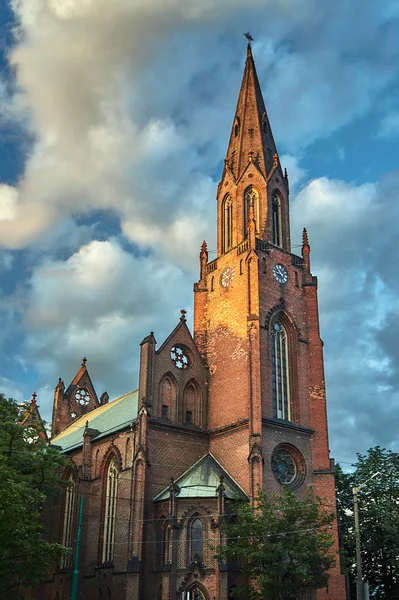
x=227, y=277
x=280, y=273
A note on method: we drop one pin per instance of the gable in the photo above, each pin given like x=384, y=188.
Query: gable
x=201, y=481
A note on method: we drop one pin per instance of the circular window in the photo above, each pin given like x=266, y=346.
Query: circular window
x=82, y=396
x=288, y=466
x=180, y=357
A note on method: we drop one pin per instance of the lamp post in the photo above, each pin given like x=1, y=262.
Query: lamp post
x=359, y=574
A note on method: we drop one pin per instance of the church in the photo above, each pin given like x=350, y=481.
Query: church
x=236, y=405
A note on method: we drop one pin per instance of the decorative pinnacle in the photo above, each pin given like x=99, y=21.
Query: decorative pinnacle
x=84, y=361
x=305, y=240
x=183, y=315
x=34, y=396
x=204, y=251
x=275, y=159
x=251, y=155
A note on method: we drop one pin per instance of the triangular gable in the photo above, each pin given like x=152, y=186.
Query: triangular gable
x=201, y=481
x=32, y=418
x=83, y=379
x=182, y=334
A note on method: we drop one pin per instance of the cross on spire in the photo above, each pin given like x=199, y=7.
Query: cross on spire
x=183, y=314
x=34, y=396
x=84, y=361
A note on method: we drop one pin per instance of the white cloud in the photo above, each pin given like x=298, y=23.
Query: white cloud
x=389, y=126
x=100, y=303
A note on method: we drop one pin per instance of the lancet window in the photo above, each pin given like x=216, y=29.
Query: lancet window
x=251, y=197
x=111, y=492
x=69, y=512
x=276, y=219
x=280, y=372
x=196, y=540
x=227, y=224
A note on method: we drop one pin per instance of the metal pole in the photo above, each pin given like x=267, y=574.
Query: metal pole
x=359, y=578
x=75, y=576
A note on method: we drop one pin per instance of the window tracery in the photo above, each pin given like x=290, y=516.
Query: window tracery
x=69, y=512
x=110, y=510
x=280, y=372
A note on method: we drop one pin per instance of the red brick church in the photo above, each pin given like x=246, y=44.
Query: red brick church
x=239, y=404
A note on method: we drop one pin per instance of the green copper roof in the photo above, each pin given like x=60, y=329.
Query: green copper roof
x=108, y=419
x=201, y=481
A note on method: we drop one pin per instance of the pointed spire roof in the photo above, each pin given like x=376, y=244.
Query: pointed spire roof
x=251, y=138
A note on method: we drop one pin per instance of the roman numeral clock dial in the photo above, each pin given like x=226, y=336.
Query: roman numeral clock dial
x=280, y=273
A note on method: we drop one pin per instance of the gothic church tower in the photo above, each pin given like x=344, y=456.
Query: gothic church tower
x=256, y=323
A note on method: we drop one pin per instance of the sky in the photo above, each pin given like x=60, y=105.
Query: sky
x=114, y=123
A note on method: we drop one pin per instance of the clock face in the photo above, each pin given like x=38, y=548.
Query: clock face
x=280, y=273
x=227, y=276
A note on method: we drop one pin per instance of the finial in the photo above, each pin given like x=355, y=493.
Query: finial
x=275, y=159
x=84, y=361
x=34, y=396
x=305, y=239
x=250, y=155
x=285, y=173
x=204, y=246
x=87, y=424
x=183, y=315
x=59, y=380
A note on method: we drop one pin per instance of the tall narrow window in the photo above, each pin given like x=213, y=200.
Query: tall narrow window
x=69, y=511
x=251, y=197
x=196, y=540
x=227, y=224
x=276, y=217
x=280, y=372
x=110, y=511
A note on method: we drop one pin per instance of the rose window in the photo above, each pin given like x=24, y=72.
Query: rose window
x=82, y=396
x=284, y=467
x=180, y=357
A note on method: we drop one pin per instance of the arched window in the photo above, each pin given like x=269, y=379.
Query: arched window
x=196, y=540
x=251, y=197
x=195, y=593
x=227, y=224
x=111, y=491
x=168, y=395
x=69, y=512
x=191, y=404
x=280, y=372
x=276, y=219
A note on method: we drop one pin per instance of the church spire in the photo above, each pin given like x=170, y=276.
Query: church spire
x=251, y=135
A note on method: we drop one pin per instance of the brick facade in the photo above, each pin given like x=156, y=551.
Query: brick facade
x=207, y=394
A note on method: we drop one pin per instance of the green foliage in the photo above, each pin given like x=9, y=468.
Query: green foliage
x=283, y=546
x=28, y=477
x=378, y=519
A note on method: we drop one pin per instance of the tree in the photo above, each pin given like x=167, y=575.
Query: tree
x=282, y=544
x=378, y=519
x=28, y=477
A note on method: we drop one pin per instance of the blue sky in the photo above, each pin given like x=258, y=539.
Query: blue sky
x=114, y=123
